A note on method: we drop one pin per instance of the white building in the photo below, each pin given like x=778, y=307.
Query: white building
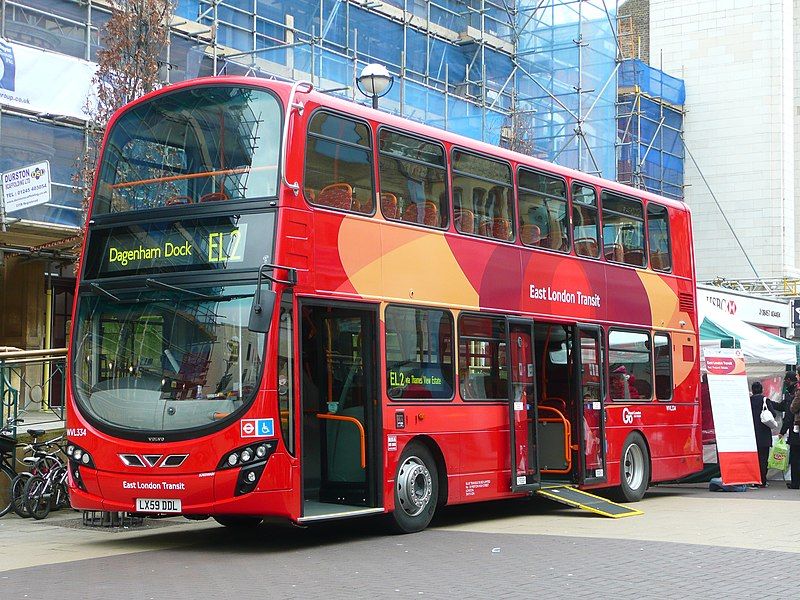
x=742, y=125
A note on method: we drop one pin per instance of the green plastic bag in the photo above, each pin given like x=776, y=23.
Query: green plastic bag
x=779, y=455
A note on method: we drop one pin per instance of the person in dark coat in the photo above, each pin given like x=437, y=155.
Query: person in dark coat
x=793, y=440
x=763, y=433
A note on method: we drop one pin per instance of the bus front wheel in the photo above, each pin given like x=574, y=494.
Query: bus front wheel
x=416, y=490
x=634, y=469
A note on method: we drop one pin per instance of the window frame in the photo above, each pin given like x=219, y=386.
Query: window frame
x=566, y=200
x=669, y=236
x=443, y=211
x=609, y=349
x=511, y=185
x=453, y=357
x=370, y=152
x=602, y=208
x=501, y=369
x=598, y=213
x=671, y=366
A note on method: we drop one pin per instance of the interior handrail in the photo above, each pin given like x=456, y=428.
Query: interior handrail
x=355, y=422
x=184, y=176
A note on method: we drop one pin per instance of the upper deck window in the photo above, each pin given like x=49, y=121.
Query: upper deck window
x=482, y=200
x=658, y=237
x=623, y=230
x=339, y=164
x=543, y=211
x=413, y=176
x=585, y=221
x=195, y=145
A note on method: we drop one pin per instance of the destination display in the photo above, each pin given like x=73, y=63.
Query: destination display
x=232, y=242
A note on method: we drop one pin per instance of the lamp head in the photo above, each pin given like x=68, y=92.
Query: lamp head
x=375, y=80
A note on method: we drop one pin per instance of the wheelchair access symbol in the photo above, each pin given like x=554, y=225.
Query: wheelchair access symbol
x=250, y=428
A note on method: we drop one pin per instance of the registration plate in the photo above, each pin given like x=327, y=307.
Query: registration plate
x=168, y=505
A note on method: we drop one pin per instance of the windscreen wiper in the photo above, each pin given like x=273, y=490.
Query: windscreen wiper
x=155, y=283
x=104, y=292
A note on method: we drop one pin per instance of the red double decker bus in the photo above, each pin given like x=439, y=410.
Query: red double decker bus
x=293, y=306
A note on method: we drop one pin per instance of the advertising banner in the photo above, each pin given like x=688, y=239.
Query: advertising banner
x=44, y=82
x=733, y=420
x=26, y=187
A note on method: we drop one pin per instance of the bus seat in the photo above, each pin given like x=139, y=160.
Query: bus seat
x=337, y=195
x=634, y=257
x=429, y=216
x=586, y=247
x=465, y=220
x=485, y=226
x=213, y=197
x=175, y=200
x=311, y=194
x=501, y=229
x=613, y=252
x=389, y=205
x=659, y=260
x=530, y=235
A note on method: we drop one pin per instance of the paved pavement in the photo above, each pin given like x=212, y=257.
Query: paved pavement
x=690, y=543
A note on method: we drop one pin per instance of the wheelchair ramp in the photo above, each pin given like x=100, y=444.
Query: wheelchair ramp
x=584, y=500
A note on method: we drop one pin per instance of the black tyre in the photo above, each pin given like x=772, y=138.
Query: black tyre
x=236, y=522
x=6, y=479
x=18, y=504
x=37, y=497
x=416, y=490
x=634, y=469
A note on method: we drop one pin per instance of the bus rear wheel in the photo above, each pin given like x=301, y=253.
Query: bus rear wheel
x=634, y=469
x=236, y=522
x=416, y=490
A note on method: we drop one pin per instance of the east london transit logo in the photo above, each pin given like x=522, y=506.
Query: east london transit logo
x=564, y=296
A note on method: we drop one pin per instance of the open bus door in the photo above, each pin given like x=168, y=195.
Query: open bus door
x=525, y=474
x=588, y=361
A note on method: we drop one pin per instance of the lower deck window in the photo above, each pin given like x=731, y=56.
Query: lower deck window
x=630, y=371
x=419, y=353
x=482, y=358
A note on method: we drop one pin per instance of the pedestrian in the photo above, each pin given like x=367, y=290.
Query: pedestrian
x=758, y=402
x=793, y=439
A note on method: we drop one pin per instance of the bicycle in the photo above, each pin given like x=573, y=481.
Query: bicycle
x=8, y=449
x=40, y=462
x=43, y=493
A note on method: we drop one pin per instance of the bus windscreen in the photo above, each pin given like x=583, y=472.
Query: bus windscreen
x=198, y=145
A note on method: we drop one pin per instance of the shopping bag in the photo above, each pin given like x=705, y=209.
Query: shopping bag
x=779, y=455
x=767, y=418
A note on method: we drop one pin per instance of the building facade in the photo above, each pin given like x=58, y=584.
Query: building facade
x=738, y=60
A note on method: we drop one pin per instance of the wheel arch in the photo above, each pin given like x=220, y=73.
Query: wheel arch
x=441, y=464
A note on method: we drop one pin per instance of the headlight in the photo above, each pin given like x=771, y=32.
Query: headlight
x=86, y=459
x=247, y=454
x=261, y=451
x=233, y=459
x=77, y=454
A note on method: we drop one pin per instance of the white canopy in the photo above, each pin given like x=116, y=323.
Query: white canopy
x=759, y=346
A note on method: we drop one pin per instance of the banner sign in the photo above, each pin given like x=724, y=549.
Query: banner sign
x=26, y=187
x=44, y=82
x=757, y=311
x=733, y=419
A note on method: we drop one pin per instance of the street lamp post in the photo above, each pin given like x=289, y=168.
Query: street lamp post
x=375, y=81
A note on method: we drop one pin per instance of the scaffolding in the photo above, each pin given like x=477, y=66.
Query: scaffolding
x=535, y=75
x=650, y=150
x=776, y=287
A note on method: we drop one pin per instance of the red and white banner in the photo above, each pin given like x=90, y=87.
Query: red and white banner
x=733, y=420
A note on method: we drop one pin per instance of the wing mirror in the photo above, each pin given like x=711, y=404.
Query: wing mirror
x=264, y=298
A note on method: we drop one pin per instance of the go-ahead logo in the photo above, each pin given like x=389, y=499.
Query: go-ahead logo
x=7, y=66
x=629, y=415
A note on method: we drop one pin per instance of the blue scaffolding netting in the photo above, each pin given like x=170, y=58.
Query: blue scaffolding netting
x=649, y=127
